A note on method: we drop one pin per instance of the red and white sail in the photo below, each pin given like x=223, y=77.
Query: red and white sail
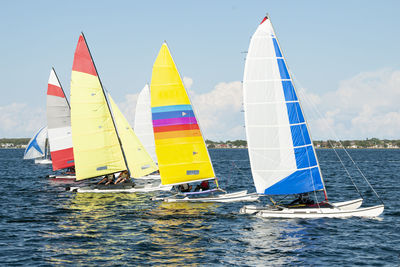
x=59, y=124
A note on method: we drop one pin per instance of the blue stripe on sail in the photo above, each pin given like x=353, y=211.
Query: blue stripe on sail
x=282, y=69
x=34, y=143
x=288, y=89
x=298, y=182
x=171, y=108
x=300, y=135
x=294, y=113
x=305, y=157
x=172, y=114
x=276, y=46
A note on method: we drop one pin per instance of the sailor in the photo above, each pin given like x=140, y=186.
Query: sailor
x=123, y=177
x=184, y=188
x=302, y=199
x=202, y=186
x=108, y=179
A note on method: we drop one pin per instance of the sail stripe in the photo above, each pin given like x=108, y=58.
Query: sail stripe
x=176, y=134
x=62, y=158
x=288, y=90
x=171, y=108
x=173, y=114
x=181, y=127
x=174, y=121
x=82, y=59
x=55, y=90
x=300, y=135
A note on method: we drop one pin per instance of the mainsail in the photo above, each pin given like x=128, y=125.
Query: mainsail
x=181, y=151
x=143, y=123
x=97, y=149
x=282, y=156
x=139, y=161
x=37, y=145
x=59, y=124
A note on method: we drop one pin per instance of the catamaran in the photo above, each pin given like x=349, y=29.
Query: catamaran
x=103, y=141
x=282, y=156
x=143, y=126
x=59, y=128
x=38, y=147
x=181, y=151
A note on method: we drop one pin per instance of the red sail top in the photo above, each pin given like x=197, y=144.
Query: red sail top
x=265, y=18
x=82, y=59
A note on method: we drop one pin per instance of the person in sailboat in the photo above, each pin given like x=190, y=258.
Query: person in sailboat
x=184, y=188
x=303, y=199
x=123, y=177
x=108, y=179
x=203, y=186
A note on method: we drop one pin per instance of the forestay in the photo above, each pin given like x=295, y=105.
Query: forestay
x=282, y=156
x=36, y=147
x=181, y=151
x=59, y=124
x=143, y=123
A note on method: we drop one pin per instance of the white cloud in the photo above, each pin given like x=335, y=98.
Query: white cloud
x=20, y=120
x=364, y=106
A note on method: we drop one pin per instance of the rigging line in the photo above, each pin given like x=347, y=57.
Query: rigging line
x=347, y=153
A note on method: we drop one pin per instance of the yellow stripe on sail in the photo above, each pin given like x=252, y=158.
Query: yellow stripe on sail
x=182, y=155
x=139, y=161
x=96, y=148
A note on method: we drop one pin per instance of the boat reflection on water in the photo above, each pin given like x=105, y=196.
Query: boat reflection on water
x=178, y=232
x=98, y=227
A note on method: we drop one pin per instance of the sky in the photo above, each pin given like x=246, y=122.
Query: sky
x=344, y=56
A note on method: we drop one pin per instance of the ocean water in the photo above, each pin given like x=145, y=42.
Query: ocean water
x=43, y=225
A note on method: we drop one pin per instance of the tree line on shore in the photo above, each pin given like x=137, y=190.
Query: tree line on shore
x=367, y=143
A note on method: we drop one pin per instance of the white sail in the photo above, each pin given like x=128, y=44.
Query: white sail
x=143, y=126
x=37, y=145
x=282, y=156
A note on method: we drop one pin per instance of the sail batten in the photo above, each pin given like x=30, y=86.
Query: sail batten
x=180, y=147
x=277, y=133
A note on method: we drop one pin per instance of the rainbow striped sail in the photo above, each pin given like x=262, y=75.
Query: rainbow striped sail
x=181, y=151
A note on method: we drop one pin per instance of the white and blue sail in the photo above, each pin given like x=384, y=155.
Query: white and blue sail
x=36, y=147
x=282, y=156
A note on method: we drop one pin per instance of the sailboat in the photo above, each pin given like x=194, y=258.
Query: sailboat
x=38, y=148
x=181, y=151
x=282, y=156
x=59, y=128
x=103, y=141
x=143, y=126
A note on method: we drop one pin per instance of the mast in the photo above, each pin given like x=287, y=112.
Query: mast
x=301, y=108
x=108, y=106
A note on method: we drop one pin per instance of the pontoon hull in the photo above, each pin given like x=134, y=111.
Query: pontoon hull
x=137, y=189
x=345, y=205
x=321, y=213
x=224, y=198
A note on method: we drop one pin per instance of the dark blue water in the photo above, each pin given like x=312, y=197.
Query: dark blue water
x=41, y=224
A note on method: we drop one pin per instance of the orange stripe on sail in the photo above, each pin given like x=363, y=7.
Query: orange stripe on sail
x=177, y=134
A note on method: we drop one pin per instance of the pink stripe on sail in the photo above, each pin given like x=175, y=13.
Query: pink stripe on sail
x=174, y=121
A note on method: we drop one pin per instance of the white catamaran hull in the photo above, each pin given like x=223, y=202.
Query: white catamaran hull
x=43, y=161
x=321, y=213
x=150, y=177
x=137, y=189
x=62, y=177
x=227, y=197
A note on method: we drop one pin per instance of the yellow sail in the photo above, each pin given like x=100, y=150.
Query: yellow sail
x=139, y=161
x=180, y=148
x=96, y=147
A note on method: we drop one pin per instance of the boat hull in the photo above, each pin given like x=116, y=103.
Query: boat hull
x=321, y=213
x=345, y=205
x=150, y=177
x=123, y=189
x=239, y=196
x=43, y=161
